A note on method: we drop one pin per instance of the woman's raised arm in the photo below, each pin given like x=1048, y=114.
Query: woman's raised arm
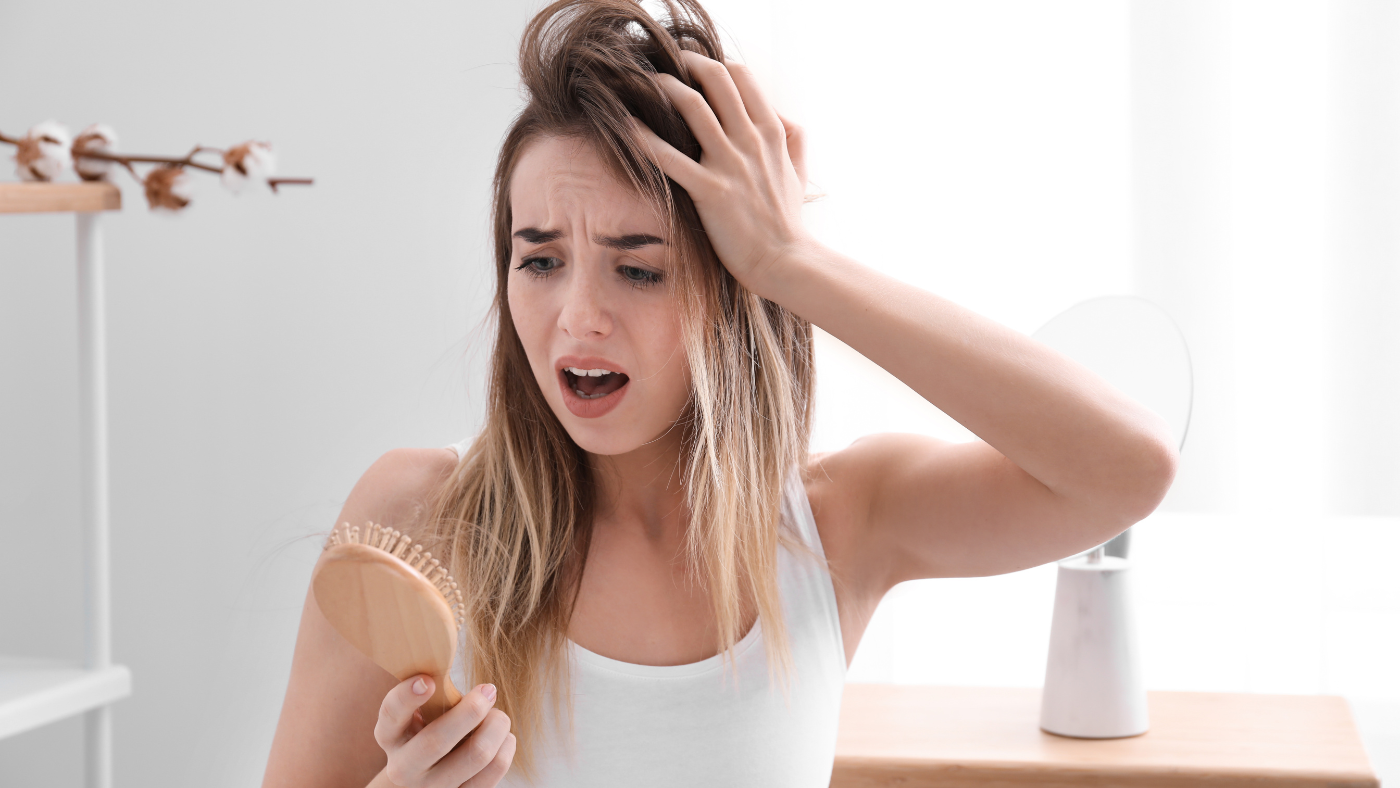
x=1065, y=460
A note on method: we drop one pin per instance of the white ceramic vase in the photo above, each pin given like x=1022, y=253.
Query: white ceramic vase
x=1093, y=684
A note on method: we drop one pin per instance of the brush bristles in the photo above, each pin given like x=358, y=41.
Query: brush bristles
x=398, y=545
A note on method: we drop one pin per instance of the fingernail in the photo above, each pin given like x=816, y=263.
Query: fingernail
x=419, y=687
x=488, y=691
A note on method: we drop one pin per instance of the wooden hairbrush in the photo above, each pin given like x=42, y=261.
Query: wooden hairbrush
x=395, y=603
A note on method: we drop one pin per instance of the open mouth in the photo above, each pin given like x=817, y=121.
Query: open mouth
x=593, y=383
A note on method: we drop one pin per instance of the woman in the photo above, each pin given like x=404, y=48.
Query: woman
x=640, y=508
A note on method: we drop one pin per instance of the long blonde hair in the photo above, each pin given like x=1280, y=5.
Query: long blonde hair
x=515, y=518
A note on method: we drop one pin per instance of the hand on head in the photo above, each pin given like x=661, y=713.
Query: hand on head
x=749, y=184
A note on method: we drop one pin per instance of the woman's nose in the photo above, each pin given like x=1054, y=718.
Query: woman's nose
x=585, y=314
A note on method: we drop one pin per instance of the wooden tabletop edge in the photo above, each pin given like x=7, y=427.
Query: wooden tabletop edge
x=1110, y=772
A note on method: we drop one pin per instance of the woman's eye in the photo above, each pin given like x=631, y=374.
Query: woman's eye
x=539, y=266
x=638, y=277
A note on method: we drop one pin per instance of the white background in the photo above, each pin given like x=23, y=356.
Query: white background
x=1234, y=161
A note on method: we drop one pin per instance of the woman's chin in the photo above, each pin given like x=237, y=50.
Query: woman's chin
x=616, y=434
x=604, y=439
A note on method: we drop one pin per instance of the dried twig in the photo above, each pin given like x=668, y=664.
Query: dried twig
x=164, y=185
x=129, y=160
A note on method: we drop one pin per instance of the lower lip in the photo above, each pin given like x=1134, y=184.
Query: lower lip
x=589, y=408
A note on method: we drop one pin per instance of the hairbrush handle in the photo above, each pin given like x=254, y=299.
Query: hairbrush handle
x=445, y=696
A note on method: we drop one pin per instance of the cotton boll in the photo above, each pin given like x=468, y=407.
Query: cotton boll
x=43, y=154
x=168, y=188
x=249, y=161
x=97, y=138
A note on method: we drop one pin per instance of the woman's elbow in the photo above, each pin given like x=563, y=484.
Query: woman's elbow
x=1153, y=478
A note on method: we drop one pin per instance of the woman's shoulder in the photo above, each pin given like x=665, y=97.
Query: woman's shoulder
x=842, y=487
x=397, y=489
x=830, y=502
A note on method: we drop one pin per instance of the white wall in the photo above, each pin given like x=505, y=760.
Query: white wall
x=263, y=350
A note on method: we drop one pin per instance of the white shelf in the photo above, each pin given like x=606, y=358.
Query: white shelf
x=35, y=692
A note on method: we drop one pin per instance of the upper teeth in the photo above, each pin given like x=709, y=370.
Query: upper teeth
x=591, y=373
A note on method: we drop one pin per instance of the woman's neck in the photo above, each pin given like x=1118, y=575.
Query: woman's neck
x=641, y=492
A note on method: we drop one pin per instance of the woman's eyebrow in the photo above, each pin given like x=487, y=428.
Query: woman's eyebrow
x=627, y=242
x=534, y=235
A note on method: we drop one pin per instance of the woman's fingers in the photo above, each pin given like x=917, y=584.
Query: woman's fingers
x=721, y=95
x=746, y=187
x=697, y=114
x=471, y=744
x=760, y=112
x=796, y=147
x=479, y=750
x=396, y=713
x=496, y=770
x=681, y=168
x=438, y=737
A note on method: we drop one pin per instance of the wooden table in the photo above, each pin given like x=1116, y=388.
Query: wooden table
x=912, y=736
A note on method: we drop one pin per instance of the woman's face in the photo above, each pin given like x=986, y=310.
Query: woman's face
x=588, y=293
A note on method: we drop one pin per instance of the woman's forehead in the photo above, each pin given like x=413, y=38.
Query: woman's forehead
x=562, y=181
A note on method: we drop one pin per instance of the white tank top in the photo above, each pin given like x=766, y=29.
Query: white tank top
x=680, y=725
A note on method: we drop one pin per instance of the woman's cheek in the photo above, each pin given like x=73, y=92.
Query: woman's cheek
x=526, y=316
x=673, y=353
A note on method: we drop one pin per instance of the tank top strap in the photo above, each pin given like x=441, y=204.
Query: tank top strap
x=799, y=509
x=461, y=446
x=809, y=584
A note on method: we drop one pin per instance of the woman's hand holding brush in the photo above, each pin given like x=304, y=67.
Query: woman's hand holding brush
x=470, y=746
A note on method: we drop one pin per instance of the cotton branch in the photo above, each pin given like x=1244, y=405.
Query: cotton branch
x=46, y=151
